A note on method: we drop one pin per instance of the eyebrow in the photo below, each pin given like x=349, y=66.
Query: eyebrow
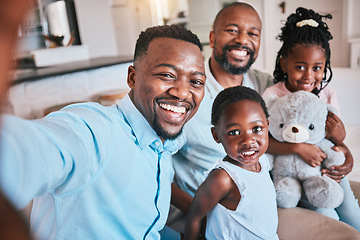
x=257, y=121
x=175, y=68
x=303, y=62
x=253, y=122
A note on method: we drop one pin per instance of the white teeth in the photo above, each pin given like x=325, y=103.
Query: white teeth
x=240, y=53
x=307, y=84
x=173, y=108
x=248, y=153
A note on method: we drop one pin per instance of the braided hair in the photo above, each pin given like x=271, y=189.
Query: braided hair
x=292, y=34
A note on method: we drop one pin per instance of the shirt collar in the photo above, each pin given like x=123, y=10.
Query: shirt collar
x=141, y=129
x=213, y=87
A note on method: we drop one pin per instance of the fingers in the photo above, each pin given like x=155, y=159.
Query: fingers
x=332, y=117
x=315, y=163
x=317, y=159
x=340, y=149
x=337, y=172
x=335, y=129
x=334, y=174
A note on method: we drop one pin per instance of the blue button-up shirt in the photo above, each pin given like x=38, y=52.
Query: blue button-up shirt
x=94, y=172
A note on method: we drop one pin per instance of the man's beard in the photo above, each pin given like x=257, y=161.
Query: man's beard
x=223, y=61
x=162, y=133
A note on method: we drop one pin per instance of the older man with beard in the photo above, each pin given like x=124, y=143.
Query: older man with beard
x=235, y=40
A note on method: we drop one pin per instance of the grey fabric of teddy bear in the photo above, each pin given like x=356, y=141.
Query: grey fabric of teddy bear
x=300, y=117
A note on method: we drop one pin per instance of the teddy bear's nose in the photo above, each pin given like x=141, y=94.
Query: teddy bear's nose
x=295, y=130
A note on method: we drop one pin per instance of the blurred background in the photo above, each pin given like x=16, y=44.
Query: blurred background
x=111, y=27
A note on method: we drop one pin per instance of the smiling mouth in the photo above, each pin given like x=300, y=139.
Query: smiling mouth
x=306, y=85
x=173, y=108
x=239, y=53
x=248, y=155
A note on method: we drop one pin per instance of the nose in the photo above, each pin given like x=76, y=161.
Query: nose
x=309, y=74
x=180, y=89
x=247, y=139
x=241, y=38
x=295, y=130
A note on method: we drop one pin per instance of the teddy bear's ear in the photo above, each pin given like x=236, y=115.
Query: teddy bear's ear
x=270, y=100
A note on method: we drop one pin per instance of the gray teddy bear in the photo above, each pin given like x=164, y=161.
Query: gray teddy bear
x=300, y=117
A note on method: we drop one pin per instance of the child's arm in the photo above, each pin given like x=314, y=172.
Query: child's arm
x=338, y=172
x=335, y=129
x=310, y=153
x=335, y=132
x=216, y=186
x=180, y=199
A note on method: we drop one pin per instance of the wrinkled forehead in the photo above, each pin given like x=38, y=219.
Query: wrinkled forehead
x=235, y=14
x=170, y=48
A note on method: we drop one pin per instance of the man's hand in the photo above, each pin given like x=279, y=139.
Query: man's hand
x=12, y=12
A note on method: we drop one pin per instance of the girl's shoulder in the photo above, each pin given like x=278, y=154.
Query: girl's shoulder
x=328, y=91
x=328, y=94
x=219, y=179
x=278, y=90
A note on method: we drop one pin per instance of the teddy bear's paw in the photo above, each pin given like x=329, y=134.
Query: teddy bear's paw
x=323, y=192
x=335, y=158
x=288, y=192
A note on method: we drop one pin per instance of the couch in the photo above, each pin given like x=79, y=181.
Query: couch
x=300, y=223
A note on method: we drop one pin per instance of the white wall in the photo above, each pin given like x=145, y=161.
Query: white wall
x=353, y=18
x=113, y=29
x=273, y=19
x=96, y=27
x=129, y=20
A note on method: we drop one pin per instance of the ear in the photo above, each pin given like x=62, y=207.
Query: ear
x=283, y=64
x=215, y=136
x=131, y=77
x=211, y=39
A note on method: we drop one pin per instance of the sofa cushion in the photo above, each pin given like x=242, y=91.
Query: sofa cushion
x=299, y=224
x=355, y=186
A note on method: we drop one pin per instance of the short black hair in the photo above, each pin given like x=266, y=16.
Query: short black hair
x=232, y=95
x=291, y=34
x=170, y=31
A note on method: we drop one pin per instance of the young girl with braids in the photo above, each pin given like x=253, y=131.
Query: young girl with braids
x=303, y=63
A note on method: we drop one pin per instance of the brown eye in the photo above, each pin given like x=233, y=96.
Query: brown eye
x=234, y=132
x=257, y=129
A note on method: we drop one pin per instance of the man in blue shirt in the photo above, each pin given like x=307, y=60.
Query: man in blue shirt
x=98, y=172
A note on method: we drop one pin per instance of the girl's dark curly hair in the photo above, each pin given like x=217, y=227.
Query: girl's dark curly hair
x=291, y=35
